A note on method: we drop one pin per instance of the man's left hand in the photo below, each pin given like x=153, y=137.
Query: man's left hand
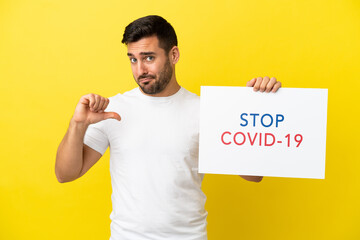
x=264, y=84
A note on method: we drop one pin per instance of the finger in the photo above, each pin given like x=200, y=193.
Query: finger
x=103, y=104
x=276, y=86
x=85, y=99
x=251, y=82
x=106, y=103
x=264, y=83
x=112, y=115
x=91, y=101
x=97, y=103
x=257, y=84
x=271, y=84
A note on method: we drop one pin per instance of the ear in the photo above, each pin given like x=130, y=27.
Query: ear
x=174, y=55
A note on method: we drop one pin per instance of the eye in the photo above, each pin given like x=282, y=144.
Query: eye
x=133, y=60
x=149, y=58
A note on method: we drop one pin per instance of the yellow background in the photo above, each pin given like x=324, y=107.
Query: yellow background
x=53, y=52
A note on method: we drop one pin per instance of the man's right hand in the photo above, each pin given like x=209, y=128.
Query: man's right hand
x=90, y=109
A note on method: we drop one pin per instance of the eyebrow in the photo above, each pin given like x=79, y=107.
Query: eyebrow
x=142, y=53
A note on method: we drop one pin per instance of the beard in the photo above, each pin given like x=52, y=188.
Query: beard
x=160, y=83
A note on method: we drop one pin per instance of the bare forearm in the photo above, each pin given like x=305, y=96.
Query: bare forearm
x=69, y=157
x=252, y=178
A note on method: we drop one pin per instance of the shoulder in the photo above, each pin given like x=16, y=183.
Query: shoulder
x=121, y=101
x=190, y=96
x=191, y=102
x=121, y=97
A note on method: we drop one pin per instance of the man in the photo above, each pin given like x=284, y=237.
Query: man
x=153, y=145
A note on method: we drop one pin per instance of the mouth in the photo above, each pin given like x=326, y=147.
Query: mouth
x=145, y=80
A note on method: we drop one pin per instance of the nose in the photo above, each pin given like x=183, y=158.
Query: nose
x=142, y=69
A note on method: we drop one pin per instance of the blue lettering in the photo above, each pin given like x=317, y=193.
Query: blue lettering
x=279, y=120
x=254, y=114
x=243, y=124
x=271, y=120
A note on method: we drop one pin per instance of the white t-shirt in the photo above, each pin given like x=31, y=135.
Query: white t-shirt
x=153, y=166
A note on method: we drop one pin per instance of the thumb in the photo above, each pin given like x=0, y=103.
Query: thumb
x=112, y=115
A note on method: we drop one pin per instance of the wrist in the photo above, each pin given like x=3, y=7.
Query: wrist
x=78, y=125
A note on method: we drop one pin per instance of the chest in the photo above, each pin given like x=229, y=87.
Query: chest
x=161, y=129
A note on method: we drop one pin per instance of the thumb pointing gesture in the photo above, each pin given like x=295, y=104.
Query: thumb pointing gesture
x=113, y=115
x=90, y=109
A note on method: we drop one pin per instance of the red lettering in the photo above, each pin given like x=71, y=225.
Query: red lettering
x=242, y=141
x=222, y=138
x=266, y=142
x=252, y=141
x=260, y=139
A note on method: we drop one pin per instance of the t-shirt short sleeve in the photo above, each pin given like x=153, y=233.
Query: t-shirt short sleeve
x=96, y=138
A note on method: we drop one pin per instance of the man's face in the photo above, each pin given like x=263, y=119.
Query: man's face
x=150, y=65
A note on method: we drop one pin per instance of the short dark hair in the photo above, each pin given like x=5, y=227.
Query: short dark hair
x=149, y=26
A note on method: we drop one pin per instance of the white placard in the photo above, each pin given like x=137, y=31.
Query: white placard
x=280, y=134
